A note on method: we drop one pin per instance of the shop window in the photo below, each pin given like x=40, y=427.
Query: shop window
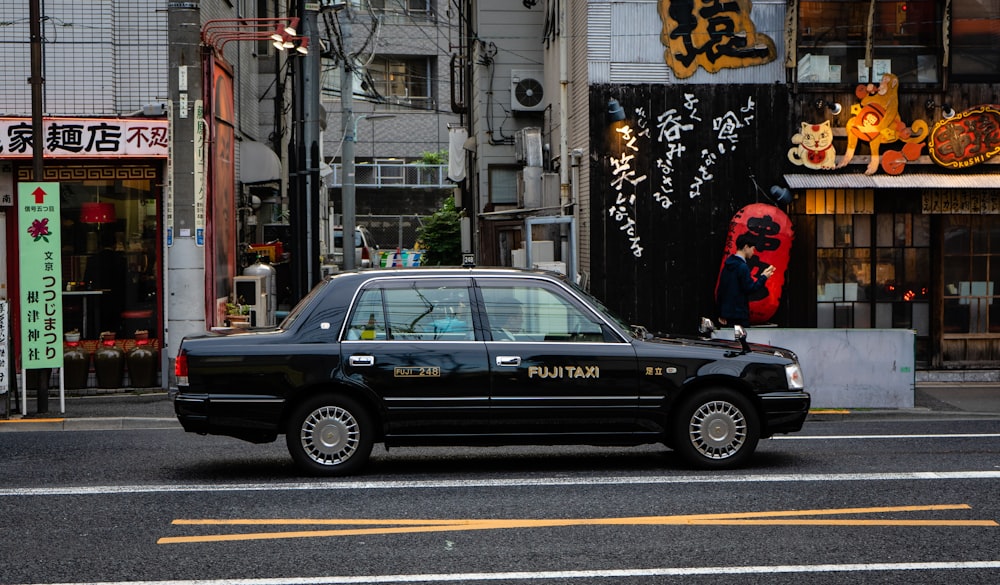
x=872, y=271
x=109, y=237
x=975, y=35
x=971, y=265
x=833, y=36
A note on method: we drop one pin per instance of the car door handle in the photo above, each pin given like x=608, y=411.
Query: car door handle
x=362, y=360
x=508, y=360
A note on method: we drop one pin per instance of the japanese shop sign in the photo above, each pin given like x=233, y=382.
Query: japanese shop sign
x=86, y=138
x=710, y=34
x=970, y=138
x=6, y=185
x=41, y=275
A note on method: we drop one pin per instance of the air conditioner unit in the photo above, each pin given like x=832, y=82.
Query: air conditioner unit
x=526, y=91
x=528, y=146
x=252, y=290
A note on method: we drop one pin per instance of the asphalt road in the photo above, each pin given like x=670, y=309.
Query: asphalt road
x=153, y=409
x=878, y=500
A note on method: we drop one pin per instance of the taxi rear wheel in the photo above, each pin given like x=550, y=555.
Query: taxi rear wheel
x=716, y=429
x=330, y=435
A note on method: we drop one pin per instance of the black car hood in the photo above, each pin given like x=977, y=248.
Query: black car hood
x=730, y=345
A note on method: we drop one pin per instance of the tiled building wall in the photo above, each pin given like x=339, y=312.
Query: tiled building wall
x=101, y=57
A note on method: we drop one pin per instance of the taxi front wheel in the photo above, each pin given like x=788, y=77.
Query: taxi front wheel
x=716, y=428
x=330, y=435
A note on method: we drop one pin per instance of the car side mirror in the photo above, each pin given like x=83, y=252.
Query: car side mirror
x=741, y=334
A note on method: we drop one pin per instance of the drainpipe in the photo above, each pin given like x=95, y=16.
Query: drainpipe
x=577, y=156
x=564, y=196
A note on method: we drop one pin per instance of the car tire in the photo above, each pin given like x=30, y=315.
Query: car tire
x=716, y=428
x=330, y=435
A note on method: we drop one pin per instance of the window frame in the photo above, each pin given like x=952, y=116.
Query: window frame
x=883, y=53
x=397, y=81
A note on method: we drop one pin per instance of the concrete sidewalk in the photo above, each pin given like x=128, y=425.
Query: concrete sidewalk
x=110, y=411
x=153, y=409
x=959, y=397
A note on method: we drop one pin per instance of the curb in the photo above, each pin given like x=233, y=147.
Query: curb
x=823, y=415
x=87, y=424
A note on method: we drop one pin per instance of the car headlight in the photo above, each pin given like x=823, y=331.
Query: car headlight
x=793, y=375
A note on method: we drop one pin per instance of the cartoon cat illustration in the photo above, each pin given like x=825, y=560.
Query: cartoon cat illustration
x=815, y=146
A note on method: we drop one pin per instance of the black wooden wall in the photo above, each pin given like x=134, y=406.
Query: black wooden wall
x=665, y=183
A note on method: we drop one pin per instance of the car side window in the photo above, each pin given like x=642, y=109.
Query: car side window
x=429, y=313
x=525, y=313
x=368, y=320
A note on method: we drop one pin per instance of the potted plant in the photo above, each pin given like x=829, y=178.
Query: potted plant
x=238, y=313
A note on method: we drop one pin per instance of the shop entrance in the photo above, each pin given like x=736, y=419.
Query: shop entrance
x=110, y=248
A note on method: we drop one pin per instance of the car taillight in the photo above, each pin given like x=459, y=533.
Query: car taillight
x=364, y=253
x=181, y=368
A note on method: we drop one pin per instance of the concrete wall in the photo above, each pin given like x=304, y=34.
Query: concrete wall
x=848, y=368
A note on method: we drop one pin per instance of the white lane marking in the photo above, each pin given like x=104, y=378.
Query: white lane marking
x=849, y=437
x=608, y=573
x=495, y=483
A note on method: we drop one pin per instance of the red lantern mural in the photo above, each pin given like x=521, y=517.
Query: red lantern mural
x=772, y=232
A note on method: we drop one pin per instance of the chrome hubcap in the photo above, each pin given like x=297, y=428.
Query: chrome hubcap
x=718, y=429
x=330, y=435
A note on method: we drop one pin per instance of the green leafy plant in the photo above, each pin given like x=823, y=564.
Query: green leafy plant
x=433, y=158
x=237, y=308
x=441, y=236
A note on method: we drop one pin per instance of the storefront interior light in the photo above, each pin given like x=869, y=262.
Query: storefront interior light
x=97, y=212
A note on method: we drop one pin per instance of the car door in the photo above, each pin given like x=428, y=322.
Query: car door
x=556, y=368
x=413, y=343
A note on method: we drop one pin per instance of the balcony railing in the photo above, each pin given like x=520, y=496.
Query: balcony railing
x=390, y=175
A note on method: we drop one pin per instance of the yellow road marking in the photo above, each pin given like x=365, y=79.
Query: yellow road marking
x=32, y=420
x=412, y=526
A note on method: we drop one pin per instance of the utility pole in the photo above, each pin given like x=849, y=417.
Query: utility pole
x=306, y=160
x=311, y=138
x=37, y=151
x=347, y=190
x=184, y=258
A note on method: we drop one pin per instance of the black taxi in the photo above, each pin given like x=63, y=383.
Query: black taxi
x=479, y=356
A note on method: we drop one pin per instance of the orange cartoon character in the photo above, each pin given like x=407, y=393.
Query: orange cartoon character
x=876, y=121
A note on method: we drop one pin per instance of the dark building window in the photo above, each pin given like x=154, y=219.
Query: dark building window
x=404, y=81
x=975, y=36
x=971, y=269
x=906, y=40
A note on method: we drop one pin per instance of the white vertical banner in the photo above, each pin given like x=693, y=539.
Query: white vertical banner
x=168, y=199
x=200, y=159
x=4, y=345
